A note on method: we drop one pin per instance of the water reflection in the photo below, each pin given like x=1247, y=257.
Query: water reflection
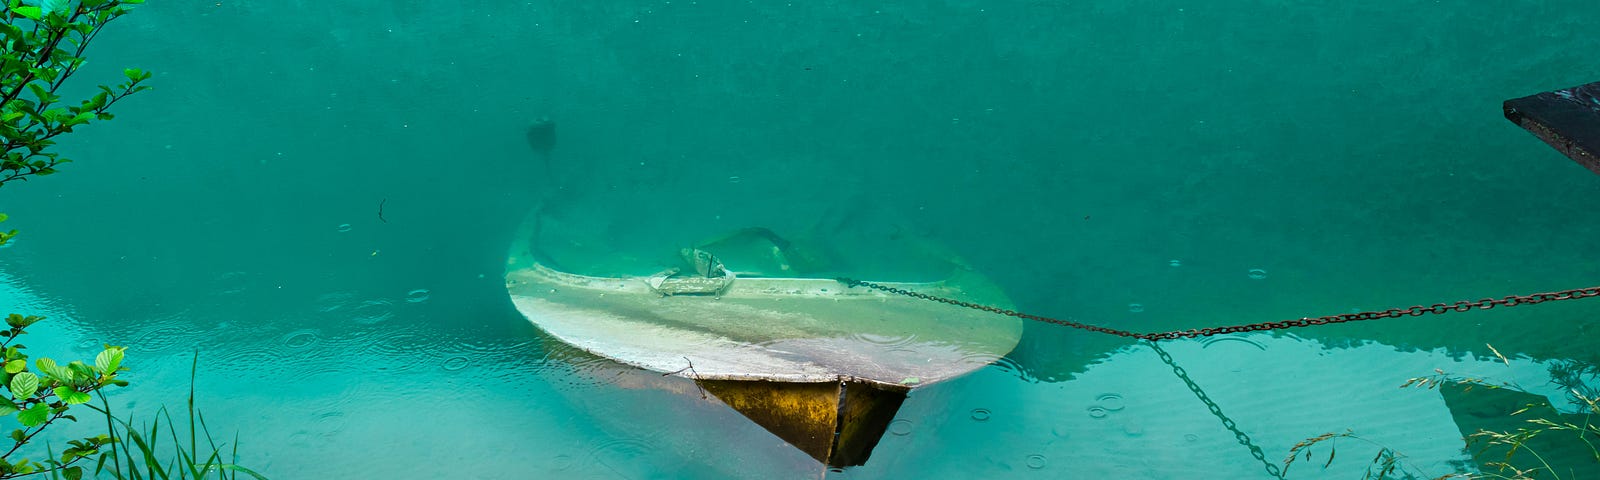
x=494, y=384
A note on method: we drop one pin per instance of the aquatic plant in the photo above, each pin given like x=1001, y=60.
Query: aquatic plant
x=1547, y=430
x=43, y=46
x=143, y=456
x=48, y=392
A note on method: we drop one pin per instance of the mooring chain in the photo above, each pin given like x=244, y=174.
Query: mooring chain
x=1216, y=410
x=1414, y=311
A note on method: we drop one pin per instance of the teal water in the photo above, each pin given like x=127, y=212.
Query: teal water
x=1353, y=151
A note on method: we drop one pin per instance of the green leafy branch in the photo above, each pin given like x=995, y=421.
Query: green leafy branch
x=45, y=394
x=43, y=46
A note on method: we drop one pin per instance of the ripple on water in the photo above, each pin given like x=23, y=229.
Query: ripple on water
x=1036, y=461
x=252, y=357
x=299, y=339
x=1110, y=401
x=886, y=340
x=589, y=370
x=1133, y=429
x=562, y=462
x=300, y=438
x=978, y=359
x=981, y=414
x=1098, y=412
x=408, y=342
x=162, y=338
x=456, y=363
x=621, y=449
x=1013, y=367
x=1257, y=274
x=344, y=227
x=900, y=428
x=89, y=345
x=334, y=302
x=417, y=296
x=508, y=354
x=331, y=423
x=1225, y=340
x=373, y=311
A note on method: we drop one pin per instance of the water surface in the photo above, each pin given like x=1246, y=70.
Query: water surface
x=1213, y=165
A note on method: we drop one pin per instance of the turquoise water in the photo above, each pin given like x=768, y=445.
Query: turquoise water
x=1072, y=151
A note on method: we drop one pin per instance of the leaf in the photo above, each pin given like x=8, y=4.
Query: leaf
x=24, y=384
x=39, y=92
x=71, y=396
x=20, y=321
x=15, y=366
x=235, y=468
x=73, y=473
x=6, y=408
x=49, y=368
x=1498, y=356
x=133, y=74
x=54, y=6
x=109, y=360
x=81, y=371
x=35, y=416
x=31, y=12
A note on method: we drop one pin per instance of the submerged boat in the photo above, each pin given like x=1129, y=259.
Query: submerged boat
x=822, y=366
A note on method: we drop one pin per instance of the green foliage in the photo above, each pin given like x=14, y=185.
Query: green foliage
x=43, y=46
x=1508, y=468
x=1574, y=376
x=48, y=393
x=45, y=395
x=142, y=450
x=6, y=236
x=1386, y=465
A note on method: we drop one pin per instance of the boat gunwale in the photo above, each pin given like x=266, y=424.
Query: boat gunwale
x=741, y=286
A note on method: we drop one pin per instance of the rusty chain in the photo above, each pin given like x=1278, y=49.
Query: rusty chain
x=1414, y=311
x=1216, y=410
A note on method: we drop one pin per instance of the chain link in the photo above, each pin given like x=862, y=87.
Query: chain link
x=1414, y=311
x=1216, y=411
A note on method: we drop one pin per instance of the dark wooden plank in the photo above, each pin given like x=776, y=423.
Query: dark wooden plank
x=1567, y=119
